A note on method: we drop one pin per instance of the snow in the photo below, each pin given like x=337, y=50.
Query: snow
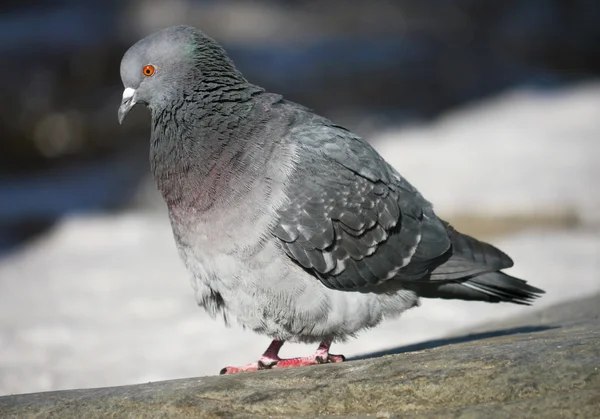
x=526, y=152
x=104, y=300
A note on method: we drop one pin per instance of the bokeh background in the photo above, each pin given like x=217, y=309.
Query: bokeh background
x=491, y=108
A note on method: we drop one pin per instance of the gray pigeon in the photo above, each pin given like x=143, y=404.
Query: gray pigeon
x=287, y=222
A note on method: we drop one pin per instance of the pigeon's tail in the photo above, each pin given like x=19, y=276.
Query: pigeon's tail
x=473, y=272
x=493, y=287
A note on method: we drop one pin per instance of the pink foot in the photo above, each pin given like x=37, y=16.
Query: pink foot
x=264, y=363
x=308, y=360
x=270, y=359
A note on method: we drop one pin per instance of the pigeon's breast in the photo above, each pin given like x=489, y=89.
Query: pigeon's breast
x=222, y=222
x=229, y=252
x=230, y=208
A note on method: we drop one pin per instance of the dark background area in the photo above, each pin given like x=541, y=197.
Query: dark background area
x=367, y=64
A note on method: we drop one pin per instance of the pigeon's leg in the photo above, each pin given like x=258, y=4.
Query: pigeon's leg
x=266, y=361
x=270, y=359
x=321, y=356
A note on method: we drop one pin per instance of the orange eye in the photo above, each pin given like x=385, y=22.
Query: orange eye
x=148, y=70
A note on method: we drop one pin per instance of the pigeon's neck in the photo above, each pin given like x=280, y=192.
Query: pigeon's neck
x=207, y=147
x=217, y=93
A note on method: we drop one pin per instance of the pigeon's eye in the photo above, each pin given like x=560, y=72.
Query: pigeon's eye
x=148, y=70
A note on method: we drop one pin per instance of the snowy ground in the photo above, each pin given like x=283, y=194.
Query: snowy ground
x=103, y=300
x=520, y=153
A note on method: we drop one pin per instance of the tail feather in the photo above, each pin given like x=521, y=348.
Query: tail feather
x=493, y=287
x=500, y=287
x=469, y=257
x=472, y=271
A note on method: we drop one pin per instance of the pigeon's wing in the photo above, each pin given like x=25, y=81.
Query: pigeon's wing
x=351, y=220
x=355, y=223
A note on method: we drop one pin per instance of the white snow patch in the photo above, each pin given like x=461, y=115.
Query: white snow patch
x=523, y=152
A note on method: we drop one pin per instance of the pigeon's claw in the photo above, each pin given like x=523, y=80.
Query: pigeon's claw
x=308, y=360
x=336, y=358
x=271, y=360
x=267, y=364
x=264, y=363
x=234, y=370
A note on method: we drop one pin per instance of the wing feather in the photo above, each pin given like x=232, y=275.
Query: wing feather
x=354, y=222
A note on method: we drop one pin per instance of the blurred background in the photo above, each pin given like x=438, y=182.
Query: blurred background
x=492, y=109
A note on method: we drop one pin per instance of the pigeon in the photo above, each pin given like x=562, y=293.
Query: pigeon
x=288, y=223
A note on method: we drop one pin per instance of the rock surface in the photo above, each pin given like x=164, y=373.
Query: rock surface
x=546, y=363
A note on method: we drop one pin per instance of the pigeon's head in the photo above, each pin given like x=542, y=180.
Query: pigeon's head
x=163, y=64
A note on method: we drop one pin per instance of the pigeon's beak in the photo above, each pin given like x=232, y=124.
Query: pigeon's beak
x=127, y=103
